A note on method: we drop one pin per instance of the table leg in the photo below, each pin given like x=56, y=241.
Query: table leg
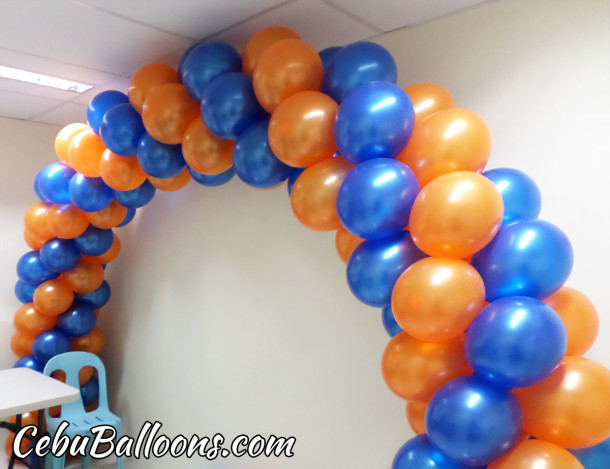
x=11, y=462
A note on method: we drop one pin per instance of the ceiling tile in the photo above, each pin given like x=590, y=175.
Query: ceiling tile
x=23, y=106
x=63, y=115
x=21, y=87
x=118, y=84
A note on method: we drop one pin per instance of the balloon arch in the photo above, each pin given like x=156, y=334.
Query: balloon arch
x=486, y=343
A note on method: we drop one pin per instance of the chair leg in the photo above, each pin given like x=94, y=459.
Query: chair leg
x=51, y=462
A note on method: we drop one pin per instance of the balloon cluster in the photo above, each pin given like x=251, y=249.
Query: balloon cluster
x=486, y=343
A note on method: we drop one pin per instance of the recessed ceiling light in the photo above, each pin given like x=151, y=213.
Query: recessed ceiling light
x=44, y=80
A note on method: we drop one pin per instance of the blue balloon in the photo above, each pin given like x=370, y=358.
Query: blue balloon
x=472, y=421
x=78, y=320
x=160, y=160
x=29, y=361
x=418, y=453
x=31, y=270
x=375, y=198
x=205, y=62
x=122, y=129
x=137, y=197
x=355, y=65
x=389, y=321
x=375, y=121
x=101, y=104
x=526, y=258
x=90, y=194
x=229, y=105
x=37, y=188
x=94, y=241
x=515, y=342
x=594, y=457
x=328, y=54
x=131, y=212
x=215, y=180
x=50, y=343
x=519, y=192
x=54, y=182
x=59, y=254
x=90, y=391
x=375, y=265
x=294, y=175
x=24, y=291
x=254, y=161
x=97, y=298
x=183, y=59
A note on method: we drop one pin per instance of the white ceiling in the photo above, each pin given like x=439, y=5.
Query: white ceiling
x=103, y=42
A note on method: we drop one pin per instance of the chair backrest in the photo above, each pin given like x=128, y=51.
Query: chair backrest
x=71, y=363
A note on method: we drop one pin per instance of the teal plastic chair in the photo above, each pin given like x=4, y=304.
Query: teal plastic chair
x=80, y=420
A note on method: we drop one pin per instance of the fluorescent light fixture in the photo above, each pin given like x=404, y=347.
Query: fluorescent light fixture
x=44, y=80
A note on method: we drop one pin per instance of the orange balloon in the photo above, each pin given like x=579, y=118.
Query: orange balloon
x=579, y=317
x=30, y=320
x=172, y=184
x=147, y=79
x=415, y=370
x=436, y=299
x=456, y=215
x=204, y=152
x=346, y=243
x=285, y=68
x=35, y=220
x=21, y=343
x=109, y=217
x=85, y=152
x=8, y=446
x=428, y=98
x=85, y=277
x=27, y=418
x=260, y=42
x=32, y=240
x=168, y=111
x=416, y=416
x=122, y=173
x=449, y=140
x=92, y=342
x=314, y=194
x=53, y=297
x=63, y=139
x=85, y=373
x=301, y=129
x=537, y=454
x=67, y=221
x=570, y=408
x=111, y=254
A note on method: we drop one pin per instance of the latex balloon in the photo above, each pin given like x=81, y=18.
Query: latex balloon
x=375, y=199
x=63, y=139
x=59, y=255
x=111, y=254
x=97, y=298
x=314, y=194
x=32, y=271
x=171, y=184
x=93, y=342
x=418, y=453
x=147, y=79
x=36, y=185
x=204, y=152
x=526, y=258
x=122, y=129
x=456, y=215
x=515, y=342
x=35, y=220
x=449, y=140
x=29, y=361
x=137, y=197
x=90, y=391
x=594, y=457
x=53, y=297
x=215, y=180
x=94, y=241
x=326, y=55
x=131, y=213
x=428, y=98
x=50, y=343
x=519, y=192
x=108, y=217
x=375, y=266
x=416, y=416
x=346, y=243
x=301, y=129
x=355, y=65
x=294, y=175
x=415, y=370
x=259, y=43
x=472, y=421
x=90, y=194
x=374, y=121
x=160, y=160
x=204, y=62
x=24, y=291
x=229, y=105
x=53, y=183
x=33, y=241
x=66, y=221
x=31, y=321
x=389, y=322
x=254, y=161
x=101, y=104
x=167, y=112
x=534, y=454
x=570, y=408
x=121, y=173
x=21, y=343
x=436, y=299
x=86, y=277
x=78, y=320
x=84, y=154
x=286, y=67
x=579, y=317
